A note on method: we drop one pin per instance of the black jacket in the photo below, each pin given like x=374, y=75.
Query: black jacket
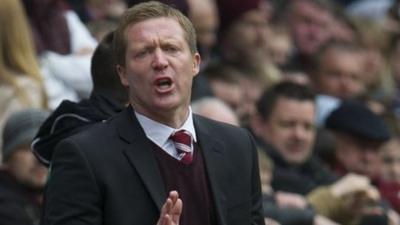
x=70, y=118
x=108, y=174
x=299, y=179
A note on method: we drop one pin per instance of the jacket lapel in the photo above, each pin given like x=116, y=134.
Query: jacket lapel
x=139, y=153
x=214, y=155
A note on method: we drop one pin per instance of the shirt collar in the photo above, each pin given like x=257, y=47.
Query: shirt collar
x=159, y=133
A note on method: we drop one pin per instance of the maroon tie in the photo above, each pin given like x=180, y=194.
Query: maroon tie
x=183, y=144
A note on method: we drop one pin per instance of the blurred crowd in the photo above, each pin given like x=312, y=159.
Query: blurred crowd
x=317, y=82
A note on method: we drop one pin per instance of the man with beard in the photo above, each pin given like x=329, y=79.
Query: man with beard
x=22, y=177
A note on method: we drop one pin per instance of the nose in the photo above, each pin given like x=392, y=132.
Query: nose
x=299, y=132
x=159, y=62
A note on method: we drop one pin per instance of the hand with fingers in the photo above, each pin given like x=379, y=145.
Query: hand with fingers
x=171, y=210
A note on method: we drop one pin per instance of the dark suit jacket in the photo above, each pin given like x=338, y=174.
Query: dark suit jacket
x=108, y=174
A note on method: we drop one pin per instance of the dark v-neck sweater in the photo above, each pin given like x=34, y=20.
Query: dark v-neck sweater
x=191, y=182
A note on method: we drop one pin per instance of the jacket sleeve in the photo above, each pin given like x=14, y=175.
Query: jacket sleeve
x=72, y=195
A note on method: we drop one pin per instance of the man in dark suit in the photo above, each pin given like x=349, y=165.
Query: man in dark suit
x=155, y=162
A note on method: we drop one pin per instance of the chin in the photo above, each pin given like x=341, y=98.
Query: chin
x=165, y=107
x=171, y=104
x=299, y=159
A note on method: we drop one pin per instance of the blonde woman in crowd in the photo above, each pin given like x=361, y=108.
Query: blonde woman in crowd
x=20, y=80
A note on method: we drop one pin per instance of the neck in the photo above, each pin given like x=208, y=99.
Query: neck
x=173, y=118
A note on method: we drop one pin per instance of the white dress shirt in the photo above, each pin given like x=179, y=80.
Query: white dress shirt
x=159, y=133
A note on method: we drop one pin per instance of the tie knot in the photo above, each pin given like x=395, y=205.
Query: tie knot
x=183, y=144
x=182, y=137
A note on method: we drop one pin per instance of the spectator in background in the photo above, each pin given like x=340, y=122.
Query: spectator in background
x=204, y=16
x=309, y=22
x=243, y=40
x=358, y=135
x=337, y=75
x=22, y=177
x=285, y=130
x=64, y=46
x=242, y=32
x=224, y=82
x=243, y=46
x=215, y=109
x=279, y=44
x=21, y=84
x=377, y=77
x=338, y=70
x=288, y=125
x=108, y=97
x=239, y=88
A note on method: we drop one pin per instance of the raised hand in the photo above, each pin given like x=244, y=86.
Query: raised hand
x=171, y=210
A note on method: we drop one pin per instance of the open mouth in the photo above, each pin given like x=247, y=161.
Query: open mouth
x=164, y=84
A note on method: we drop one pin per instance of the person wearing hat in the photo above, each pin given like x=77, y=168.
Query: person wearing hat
x=358, y=135
x=22, y=177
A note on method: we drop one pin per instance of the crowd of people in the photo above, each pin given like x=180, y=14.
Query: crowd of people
x=310, y=90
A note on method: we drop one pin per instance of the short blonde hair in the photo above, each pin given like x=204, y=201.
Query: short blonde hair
x=145, y=11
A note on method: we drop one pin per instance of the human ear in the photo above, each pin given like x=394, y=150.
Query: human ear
x=122, y=75
x=196, y=63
